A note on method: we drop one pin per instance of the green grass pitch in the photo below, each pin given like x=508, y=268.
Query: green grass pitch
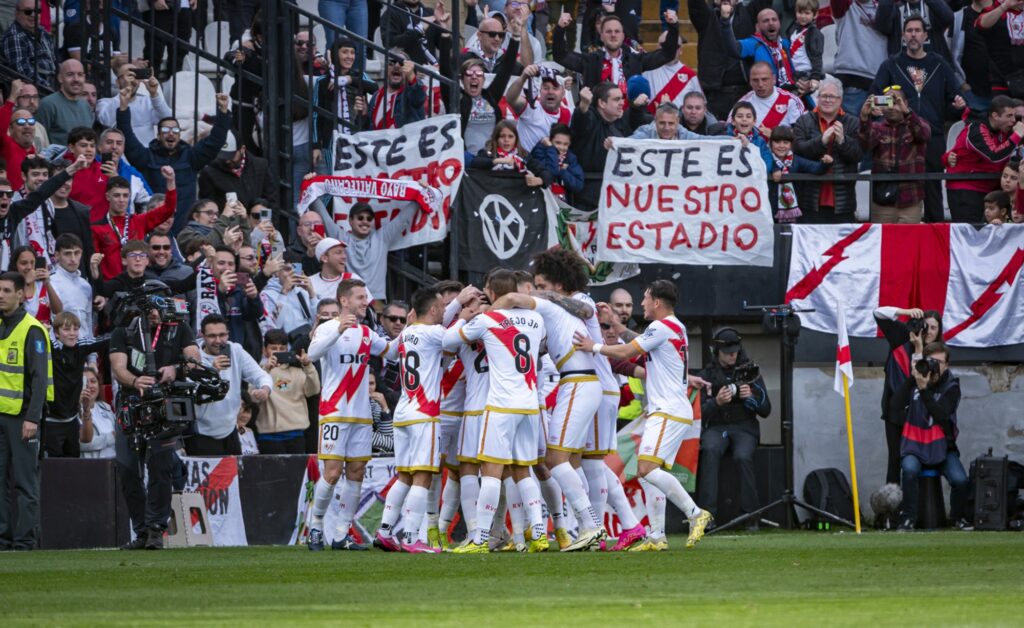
x=772, y=578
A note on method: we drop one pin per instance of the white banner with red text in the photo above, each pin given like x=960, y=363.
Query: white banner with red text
x=971, y=276
x=428, y=153
x=692, y=202
x=216, y=480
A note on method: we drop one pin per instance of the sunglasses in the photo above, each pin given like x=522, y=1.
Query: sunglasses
x=137, y=255
x=492, y=33
x=25, y=121
x=891, y=88
x=28, y=12
x=170, y=129
x=160, y=247
x=474, y=73
x=396, y=319
x=303, y=44
x=363, y=217
x=396, y=61
x=605, y=326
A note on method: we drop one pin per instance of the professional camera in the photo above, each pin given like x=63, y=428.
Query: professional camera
x=744, y=374
x=927, y=367
x=168, y=409
x=915, y=325
x=151, y=295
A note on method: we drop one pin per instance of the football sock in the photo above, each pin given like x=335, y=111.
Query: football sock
x=449, y=504
x=655, y=502
x=597, y=484
x=583, y=480
x=572, y=487
x=674, y=491
x=434, y=500
x=470, y=491
x=393, y=507
x=532, y=500
x=553, y=498
x=350, y=491
x=486, y=506
x=415, y=505
x=322, y=495
x=514, y=501
x=618, y=500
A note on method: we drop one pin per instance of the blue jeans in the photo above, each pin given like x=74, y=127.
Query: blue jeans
x=350, y=14
x=951, y=468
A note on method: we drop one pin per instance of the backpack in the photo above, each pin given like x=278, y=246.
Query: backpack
x=828, y=490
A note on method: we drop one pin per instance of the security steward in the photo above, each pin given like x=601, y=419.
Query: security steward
x=149, y=506
x=26, y=384
x=729, y=422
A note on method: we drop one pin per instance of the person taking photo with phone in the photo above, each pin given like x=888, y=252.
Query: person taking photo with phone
x=283, y=417
x=216, y=433
x=146, y=103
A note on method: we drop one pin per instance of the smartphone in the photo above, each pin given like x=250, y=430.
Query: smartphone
x=297, y=267
x=242, y=279
x=884, y=100
x=142, y=74
x=105, y=157
x=320, y=230
x=226, y=352
x=231, y=197
x=41, y=262
x=285, y=358
x=265, y=214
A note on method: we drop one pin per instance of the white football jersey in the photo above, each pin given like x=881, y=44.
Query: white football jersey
x=344, y=360
x=474, y=359
x=548, y=381
x=561, y=326
x=453, y=389
x=665, y=344
x=604, y=369
x=420, y=370
x=512, y=339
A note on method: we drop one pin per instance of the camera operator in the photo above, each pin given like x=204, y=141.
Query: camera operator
x=149, y=506
x=927, y=404
x=905, y=340
x=216, y=429
x=729, y=420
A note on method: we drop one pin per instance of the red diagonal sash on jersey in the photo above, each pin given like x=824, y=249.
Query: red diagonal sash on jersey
x=352, y=379
x=506, y=333
x=425, y=405
x=451, y=377
x=679, y=342
x=777, y=111
x=671, y=90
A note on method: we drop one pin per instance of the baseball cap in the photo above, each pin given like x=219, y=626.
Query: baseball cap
x=727, y=341
x=230, y=147
x=326, y=245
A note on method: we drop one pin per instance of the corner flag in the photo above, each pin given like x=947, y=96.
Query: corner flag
x=844, y=365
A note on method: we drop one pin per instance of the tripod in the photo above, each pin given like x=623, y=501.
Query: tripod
x=783, y=318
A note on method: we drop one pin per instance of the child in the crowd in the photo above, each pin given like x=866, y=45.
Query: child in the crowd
x=743, y=123
x=503, y=152
x=783, y=194
x=284, y=417
x=246, y=437
x=806, y=46
x=383, y=439
x=1010, y=181
x=997, y=207
x=553, y=152
x=62, y=428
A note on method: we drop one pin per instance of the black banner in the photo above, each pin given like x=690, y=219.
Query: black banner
x=501, y=221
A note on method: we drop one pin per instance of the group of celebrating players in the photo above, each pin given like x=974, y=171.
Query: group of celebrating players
x=513, y=390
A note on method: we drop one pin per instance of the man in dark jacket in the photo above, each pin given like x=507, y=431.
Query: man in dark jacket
x=927, y=403
x=419, y=38
x=235, y=170
x=721, y=75
x=614, y=62
x=729, y=421
x=168, y=150
x=933, y=90
x=828, y=130
x=938, y=16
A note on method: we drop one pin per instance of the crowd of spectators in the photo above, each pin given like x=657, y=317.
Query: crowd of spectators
x=102, y=192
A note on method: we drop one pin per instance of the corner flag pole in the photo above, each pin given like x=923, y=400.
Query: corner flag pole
x=853, y=458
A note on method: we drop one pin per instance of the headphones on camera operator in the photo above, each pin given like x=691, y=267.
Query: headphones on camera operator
x=745, y=371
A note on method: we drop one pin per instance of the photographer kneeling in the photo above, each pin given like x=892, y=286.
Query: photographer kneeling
x=149, y=506
x=927, y=402
x=729, y=420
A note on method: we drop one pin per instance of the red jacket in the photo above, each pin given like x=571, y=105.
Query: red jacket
x=108, y=242
x=979, y=148
x=12, y=153
x=89, y=187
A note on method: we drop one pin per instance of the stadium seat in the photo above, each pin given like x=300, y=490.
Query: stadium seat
x=181, y=92
x=863, y=195
x=226, y=83
x=137, y=39
x=828, y=57
x=931, y=506
x=311, y=6
x=954, y=132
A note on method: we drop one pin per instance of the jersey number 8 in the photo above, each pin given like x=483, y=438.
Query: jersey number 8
x=523, y=359
x=410, y=371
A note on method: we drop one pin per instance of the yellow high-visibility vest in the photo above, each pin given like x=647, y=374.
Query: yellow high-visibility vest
x=12, y=365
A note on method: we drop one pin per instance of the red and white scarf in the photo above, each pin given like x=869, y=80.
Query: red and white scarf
x=518, y=163
x=788, y=210
x=384, y=117
x=783, y=68
x=611, y=70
